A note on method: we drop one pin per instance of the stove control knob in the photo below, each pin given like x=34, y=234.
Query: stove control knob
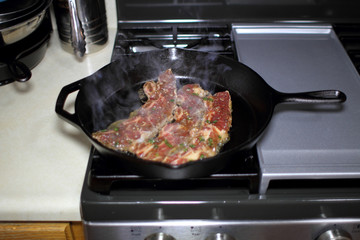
x=159, y=236
x=335, y=234
x=220, y=236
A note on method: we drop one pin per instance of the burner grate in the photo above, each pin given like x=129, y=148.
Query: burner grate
x=106, y=175
x=349, y=35
x=208, y=38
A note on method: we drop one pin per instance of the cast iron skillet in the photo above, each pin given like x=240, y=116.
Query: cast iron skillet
x=112, y=93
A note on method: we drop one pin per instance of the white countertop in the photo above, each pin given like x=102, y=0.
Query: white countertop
x=43, y=158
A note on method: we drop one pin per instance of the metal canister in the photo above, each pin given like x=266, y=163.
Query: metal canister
x=82, y=25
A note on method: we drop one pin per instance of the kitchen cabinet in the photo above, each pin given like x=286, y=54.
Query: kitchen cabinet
x=41, y=230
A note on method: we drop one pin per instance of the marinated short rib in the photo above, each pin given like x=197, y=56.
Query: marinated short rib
x=213, y=134
x=174, y=137
x=145, y=122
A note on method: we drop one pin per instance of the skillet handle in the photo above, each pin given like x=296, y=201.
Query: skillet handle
x=325, y=96
x=19, y=70
x=60, y=103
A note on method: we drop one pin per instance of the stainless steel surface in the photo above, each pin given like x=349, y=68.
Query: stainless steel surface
x=335, y=234
x=220, y=236
x=88, y=21
x=304, y=142
x=159, y=236
x=15, y=33
x=295, y=229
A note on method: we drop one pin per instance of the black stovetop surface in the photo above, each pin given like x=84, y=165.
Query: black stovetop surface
x=133, y=198
x=104, y=176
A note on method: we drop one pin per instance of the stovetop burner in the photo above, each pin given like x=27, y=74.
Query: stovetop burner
x=106, y=175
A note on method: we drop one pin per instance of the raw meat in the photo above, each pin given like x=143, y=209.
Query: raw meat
x=173, y=127
x=211, y=136
x=145, y=122
x=174, y=137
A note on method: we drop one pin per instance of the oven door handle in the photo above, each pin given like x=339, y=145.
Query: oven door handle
x=60, y=103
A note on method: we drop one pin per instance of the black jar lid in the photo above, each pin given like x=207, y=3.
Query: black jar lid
x=13, y=12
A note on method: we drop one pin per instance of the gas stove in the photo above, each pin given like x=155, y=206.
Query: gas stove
x=301, y=180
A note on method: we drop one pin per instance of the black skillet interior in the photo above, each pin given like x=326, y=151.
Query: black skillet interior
x=113, y=92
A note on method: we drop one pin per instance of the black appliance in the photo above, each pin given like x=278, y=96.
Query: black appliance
x=301, y=181
x=26, y=29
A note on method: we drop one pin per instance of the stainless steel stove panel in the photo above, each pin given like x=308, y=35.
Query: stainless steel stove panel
x=303, y=141
x=222, y=230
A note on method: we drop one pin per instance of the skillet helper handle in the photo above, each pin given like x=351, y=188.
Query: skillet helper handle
x=60, y=103
x=325, y=96
x=19, y=70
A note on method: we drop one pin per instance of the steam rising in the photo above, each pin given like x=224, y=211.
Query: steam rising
x=112, y=92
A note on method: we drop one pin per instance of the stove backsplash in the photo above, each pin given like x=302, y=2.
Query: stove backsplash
x=208, y=37
x=239, y=10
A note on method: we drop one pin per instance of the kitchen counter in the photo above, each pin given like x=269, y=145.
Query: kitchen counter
x=43, y=158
